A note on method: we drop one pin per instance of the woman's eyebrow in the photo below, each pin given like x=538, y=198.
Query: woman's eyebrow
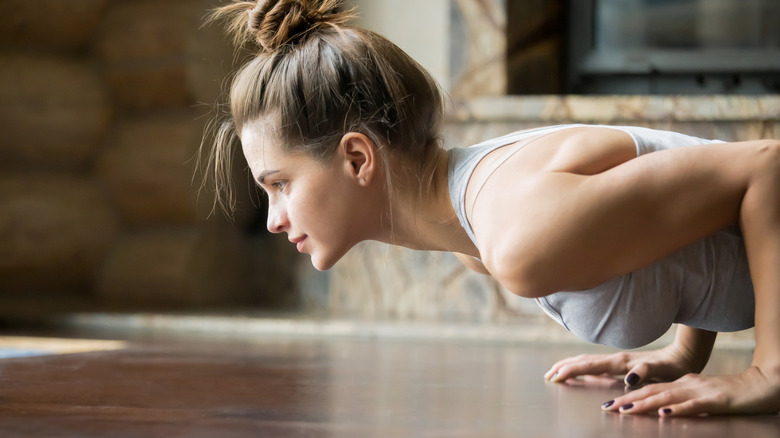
x=265, y=173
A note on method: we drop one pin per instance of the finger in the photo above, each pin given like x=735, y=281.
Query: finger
x=594, y=365
x=582, y=358
x=554, y=369
x=603, y=382
x=695, y=400
x=654, y=402
x=688, y=408
x=647, y=372
x=637, y=374
x=577, y=358
x=629, y=401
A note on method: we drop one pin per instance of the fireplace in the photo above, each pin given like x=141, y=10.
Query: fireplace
x=673, y=47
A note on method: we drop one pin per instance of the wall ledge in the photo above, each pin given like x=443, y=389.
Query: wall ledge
x=615, y=109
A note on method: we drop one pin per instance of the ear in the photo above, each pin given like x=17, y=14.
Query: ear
x=360, y=157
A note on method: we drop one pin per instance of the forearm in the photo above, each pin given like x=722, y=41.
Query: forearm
x=766, y=279
x=694, y=345
x=760, y=222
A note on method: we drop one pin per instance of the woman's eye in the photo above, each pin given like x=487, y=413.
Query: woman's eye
x=279, y=185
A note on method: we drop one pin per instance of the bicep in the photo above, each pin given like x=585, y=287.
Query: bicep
x=563, y=231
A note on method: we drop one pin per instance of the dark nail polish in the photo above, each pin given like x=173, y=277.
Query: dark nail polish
x=632, y=379
x=627, y=407
x=667, y=411
x=608, y=404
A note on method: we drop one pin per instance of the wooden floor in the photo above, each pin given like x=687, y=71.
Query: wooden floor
x=326, y=388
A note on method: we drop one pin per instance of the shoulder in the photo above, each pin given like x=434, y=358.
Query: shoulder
x=579, y=150
x=589, y=150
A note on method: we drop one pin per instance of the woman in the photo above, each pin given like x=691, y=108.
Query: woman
x=639, y=228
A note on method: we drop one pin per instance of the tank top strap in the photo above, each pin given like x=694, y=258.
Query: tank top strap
x=494, y=167
x=464, y=160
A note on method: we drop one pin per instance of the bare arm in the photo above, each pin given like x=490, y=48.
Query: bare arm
x=472, y=263
x=760, y=221
x=580, y=230
x=694, y=346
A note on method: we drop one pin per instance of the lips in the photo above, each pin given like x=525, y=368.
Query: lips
x=298, y=241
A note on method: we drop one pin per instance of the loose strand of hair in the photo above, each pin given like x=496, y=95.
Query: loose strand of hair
x=236, y=18
x=222, y=158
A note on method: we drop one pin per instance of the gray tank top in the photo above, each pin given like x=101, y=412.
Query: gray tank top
x=705, y=285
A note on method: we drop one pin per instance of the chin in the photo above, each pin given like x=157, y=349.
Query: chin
x=324, y=262
x=320, y=266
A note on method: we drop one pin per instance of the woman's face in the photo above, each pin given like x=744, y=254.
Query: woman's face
x=321, y=206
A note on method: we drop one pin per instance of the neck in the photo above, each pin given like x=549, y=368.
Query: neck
x=427, y=220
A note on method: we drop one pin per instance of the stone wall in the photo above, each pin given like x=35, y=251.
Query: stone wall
x=477, y=48
x=102, y=108
x=379, y=282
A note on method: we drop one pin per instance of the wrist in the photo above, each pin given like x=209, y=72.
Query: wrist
x=693, y=347
x=693, y=361
x=768, y=369
x=767, y=378
x=766, y=359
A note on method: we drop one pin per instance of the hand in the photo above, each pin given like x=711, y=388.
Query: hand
x=666, y=364
x=750, y=392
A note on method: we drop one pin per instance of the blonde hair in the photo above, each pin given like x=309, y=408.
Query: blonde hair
x=315, y=78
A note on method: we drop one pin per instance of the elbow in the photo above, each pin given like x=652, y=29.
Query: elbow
x=767, y=159
x=535, y=271
x=523, y=289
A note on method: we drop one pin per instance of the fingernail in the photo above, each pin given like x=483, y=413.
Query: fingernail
x=554, y=376
x=607, y=404
x=632, y=379
x=667, y=411
x=627, y=407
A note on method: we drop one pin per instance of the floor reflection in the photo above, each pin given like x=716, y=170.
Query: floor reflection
x=330, y=388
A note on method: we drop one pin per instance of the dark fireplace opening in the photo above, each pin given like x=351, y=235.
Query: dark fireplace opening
x=643, y=46
x=673, y=47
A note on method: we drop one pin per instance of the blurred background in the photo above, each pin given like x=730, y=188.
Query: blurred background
x=103, y=105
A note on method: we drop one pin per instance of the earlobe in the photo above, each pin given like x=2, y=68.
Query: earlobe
x=359, y=156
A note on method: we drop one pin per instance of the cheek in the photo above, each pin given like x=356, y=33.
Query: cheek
x=326, y=211
x=309, y=209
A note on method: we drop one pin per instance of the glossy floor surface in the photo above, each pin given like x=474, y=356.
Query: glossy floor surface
x=327, y=388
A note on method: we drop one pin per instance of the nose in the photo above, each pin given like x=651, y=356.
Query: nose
x=277, y=218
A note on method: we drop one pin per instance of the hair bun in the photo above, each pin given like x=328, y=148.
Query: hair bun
x=275, y=23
